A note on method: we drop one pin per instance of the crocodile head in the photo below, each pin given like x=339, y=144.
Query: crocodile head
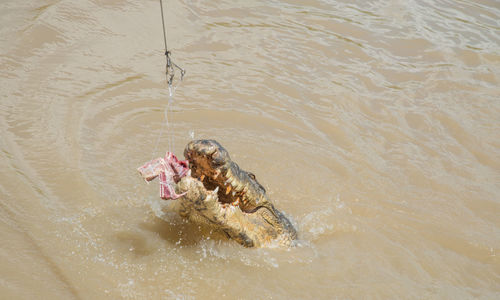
x=218, y=191
x=210, y=163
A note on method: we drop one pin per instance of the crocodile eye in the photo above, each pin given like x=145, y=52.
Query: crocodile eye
x=251, y=175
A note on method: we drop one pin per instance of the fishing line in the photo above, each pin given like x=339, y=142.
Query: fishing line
x=170, y=69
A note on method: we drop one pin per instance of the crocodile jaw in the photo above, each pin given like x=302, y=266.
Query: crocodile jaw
x=210, y=163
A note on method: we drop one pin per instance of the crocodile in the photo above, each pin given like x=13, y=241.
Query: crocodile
x=216, y=190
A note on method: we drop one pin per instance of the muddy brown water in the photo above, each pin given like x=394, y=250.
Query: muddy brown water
x=373, y=124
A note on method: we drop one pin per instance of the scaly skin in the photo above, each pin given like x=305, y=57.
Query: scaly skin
x=230, y=198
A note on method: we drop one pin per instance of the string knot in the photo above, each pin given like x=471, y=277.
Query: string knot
x=170, y=67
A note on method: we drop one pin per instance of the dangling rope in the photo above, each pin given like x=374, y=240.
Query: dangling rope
x=170, y=73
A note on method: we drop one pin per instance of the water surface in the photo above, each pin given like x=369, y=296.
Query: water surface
x=373, y=124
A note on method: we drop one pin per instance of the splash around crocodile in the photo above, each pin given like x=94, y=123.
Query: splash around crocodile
x=208, y=184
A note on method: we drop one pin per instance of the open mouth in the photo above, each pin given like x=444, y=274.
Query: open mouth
x=210, y=163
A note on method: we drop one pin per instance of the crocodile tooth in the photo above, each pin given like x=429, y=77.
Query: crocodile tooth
x=234, y=183
x=229, y=179
x=234, y=193
x=229, y=174
x=228, y=189
x=216, y=190
x=202, y=177
x=245, y=189
x=239, y=187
